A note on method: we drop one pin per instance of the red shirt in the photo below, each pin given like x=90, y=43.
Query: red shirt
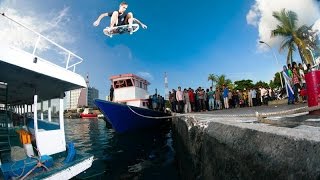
x=295, y=78
x=191, y=96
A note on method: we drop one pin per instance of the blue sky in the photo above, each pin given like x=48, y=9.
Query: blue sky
x=187, y=39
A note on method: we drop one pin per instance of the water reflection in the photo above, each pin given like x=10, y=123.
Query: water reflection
x=142, y=155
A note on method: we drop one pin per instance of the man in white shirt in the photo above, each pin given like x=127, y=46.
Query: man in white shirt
x=254, y=97
x=179, y=96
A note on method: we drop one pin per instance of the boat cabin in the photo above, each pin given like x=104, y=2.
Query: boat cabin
x=130, y=89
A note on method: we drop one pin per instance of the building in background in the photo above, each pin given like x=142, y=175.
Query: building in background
x=81, y=97
x=93, y=94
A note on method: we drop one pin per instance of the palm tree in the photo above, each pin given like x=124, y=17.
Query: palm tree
x=288, y=29
x=222, y=80
x=212, y=78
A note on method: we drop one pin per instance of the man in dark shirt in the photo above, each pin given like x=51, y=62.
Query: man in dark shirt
x=111, y=93
x=119, y=18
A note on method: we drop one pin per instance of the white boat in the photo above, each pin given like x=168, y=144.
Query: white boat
x=26, y=80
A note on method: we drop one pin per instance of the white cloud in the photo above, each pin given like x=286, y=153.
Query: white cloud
x=316, y=26
x=252, y=16
x=260, y=16
x=122, y=51
x=52, y=25
x=146, y=75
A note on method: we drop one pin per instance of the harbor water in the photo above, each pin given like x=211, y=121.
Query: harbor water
x=146, y=154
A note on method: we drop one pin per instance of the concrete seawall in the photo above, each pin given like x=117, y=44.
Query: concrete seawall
x=240, y=148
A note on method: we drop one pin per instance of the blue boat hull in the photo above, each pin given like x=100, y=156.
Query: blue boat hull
x=123, y=119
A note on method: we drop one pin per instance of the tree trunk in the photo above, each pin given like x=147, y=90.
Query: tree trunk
x=289, y=57
x=305, y=54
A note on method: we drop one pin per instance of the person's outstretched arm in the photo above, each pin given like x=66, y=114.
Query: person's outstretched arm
x=140, y=23
x=97, y=22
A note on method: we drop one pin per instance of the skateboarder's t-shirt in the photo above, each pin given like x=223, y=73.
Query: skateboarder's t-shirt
x=121, y=18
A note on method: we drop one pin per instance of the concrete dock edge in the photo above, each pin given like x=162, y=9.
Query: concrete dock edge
x=226, y=148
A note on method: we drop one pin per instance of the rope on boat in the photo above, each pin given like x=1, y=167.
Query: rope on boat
x=38, y=165
x=257, y=114
x=92, y=176
x=154, y=117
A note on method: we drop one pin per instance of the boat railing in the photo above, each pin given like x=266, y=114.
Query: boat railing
x=69, y=54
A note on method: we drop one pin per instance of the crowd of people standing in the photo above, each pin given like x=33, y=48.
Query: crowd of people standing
x=190, y=100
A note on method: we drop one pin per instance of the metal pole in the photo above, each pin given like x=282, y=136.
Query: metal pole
x=274, y=55
x=278, y=65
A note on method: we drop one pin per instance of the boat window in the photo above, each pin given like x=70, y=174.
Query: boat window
x=140, y=84
x=129, y=82
x=115, y=84
x=121, y=83
x=118, y=84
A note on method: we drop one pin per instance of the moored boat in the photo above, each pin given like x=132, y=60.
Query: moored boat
x=129, y=109
x=41, y=150
x=87, y=113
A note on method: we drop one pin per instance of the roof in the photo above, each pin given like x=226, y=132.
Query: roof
x=24, y=77
x=122, y=76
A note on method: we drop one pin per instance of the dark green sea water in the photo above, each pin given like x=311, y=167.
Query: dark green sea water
x=146, y=154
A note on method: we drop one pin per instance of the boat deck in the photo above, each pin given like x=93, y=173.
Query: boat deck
x=58, y=159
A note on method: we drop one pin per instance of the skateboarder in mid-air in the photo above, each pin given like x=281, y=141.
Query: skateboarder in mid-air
x=119, y=18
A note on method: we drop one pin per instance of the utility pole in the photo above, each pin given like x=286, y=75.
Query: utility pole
x=166, y=89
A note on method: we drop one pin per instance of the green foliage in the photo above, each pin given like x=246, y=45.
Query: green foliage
x=221, y=80
x=167, y=104
x=261, y=84
x=272, y=84
x=276, y=82
x=225, y=81
x=243, y=84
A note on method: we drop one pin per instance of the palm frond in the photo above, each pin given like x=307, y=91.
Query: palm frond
x=280, y=31
x=308, y=36
x=292, y=19
x=287, y=43
x=287, y=20
x=277, y=15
